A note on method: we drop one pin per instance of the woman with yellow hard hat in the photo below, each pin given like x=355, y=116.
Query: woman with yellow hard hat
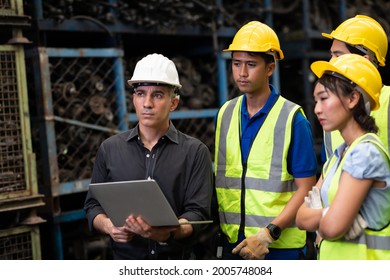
x=354, y=188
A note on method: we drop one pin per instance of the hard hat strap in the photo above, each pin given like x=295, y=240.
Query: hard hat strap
x=152, y=84
x=341, y=77
x=367, y=52
x=367, y=104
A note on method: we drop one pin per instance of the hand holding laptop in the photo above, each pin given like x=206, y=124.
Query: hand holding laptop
x=140, y=227
x=122, y=199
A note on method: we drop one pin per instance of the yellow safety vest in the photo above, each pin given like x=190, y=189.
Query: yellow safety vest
x=264, y=186
x=334, y=139
x=372, y=245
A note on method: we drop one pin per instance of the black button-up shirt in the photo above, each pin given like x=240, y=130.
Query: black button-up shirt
x=182, y=167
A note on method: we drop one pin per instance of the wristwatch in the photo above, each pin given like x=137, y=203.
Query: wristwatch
x=274, y=231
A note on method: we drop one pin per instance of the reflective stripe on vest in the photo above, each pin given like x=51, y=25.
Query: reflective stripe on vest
x=371, y=245
x=334, y=139
x=268, y=185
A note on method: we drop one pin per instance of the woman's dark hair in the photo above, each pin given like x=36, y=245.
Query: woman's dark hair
x=343, y=88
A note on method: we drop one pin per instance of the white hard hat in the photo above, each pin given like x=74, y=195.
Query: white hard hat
x=156, y=69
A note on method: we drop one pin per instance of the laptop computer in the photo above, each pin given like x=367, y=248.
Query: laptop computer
x=141, y=198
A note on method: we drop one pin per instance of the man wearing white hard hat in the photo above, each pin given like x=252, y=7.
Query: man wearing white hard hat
x=155, y=149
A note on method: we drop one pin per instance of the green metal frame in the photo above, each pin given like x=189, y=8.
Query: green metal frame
x=28, y=155
x=35, y=238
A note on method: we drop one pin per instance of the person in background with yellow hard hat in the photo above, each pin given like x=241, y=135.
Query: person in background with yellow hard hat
x=364, y=36
x=356, y=179
x=265, y=162
x=155, y=149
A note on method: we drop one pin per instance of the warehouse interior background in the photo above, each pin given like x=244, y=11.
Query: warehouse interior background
x=63, y=71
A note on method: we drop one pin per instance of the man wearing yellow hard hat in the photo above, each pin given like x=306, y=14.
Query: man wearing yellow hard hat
x=364, y=36
x=265, y=161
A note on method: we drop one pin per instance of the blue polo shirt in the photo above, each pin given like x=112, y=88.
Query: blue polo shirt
x=301, y=163
x=301, y=160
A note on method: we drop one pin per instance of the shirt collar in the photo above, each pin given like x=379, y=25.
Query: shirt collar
x=172, y=133
x=268, y=105
x=340, y=150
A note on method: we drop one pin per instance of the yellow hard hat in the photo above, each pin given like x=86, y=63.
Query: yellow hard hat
x=363, y=31
x=256, y=37
x=356, y=69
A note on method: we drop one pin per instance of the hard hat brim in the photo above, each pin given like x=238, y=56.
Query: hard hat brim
x=156, y=82
x=326, y=35
x=320, y=67
x=277, y=54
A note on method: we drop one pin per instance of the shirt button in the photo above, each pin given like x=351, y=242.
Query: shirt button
x=147, y=155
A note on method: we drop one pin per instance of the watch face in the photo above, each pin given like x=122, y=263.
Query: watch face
x=277, y=230
x=274, y=230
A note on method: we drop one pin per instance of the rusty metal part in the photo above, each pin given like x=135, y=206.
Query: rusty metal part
x=97, y=83
x=77, y=109
x=69, y=91
x=108, y=115
x=97, y=104
x=18, y=38
x=9, y=20
x=32, y=218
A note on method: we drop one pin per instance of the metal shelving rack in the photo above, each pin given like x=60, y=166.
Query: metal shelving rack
x=53, y=122
x=19, y=196
x=20, y=243
x=55, y=187
x=75, y=115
